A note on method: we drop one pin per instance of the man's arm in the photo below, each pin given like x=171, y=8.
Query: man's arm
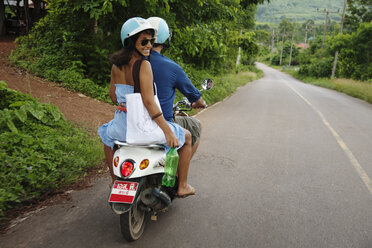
x=185, y=86
x=199, y=104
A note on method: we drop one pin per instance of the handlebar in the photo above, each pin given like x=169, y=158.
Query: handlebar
x=186, y=105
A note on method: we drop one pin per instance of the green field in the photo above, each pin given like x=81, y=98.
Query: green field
x=298, y=10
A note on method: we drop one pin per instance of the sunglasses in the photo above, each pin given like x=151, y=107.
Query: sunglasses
x=144, y=42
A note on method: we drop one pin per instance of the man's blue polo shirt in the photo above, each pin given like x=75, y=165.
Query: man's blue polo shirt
x=169, y=76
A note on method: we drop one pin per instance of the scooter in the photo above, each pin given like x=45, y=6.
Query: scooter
x=137, y=192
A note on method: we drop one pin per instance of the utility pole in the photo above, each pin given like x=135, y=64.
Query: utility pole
x=327, y=12
x=281, y=51
x=314, y=30
x=341, y=29
x=306, y=33
x=272, y=44
x=290, y=54
x=239, y=50
x=309, y=27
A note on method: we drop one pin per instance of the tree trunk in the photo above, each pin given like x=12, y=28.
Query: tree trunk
x=36, y=12
x=290, y=54
x=2, y=17
x=281, y=51
x=27, y=15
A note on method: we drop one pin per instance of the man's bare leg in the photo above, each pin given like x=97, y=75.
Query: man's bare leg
x=183, y=167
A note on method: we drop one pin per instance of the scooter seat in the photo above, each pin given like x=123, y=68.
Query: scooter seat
x=120, y=143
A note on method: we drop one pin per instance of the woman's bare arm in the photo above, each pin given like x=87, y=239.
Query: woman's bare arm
x=115, y=78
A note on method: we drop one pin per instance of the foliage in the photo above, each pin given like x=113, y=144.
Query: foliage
x=39, y=149
x=353, y=60
x=72, y=42
x=297, y=10
x=286, y=54
x=224, y=84
x=318, y=67
x=354, y=46
x=359, y=11
x=358, y=89
x=204, y=45
x=263, y=37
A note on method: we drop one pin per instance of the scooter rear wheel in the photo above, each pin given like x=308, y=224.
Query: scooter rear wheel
x=132, y=223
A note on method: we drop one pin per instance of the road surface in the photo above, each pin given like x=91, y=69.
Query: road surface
x=281, y=164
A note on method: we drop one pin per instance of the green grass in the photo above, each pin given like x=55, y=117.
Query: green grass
x=354, y=88
x=40, y=151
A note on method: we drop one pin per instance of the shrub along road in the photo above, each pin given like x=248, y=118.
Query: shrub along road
x=281, y=164
x=87, y=112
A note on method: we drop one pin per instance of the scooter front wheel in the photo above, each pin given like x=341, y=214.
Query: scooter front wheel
x=132, y=223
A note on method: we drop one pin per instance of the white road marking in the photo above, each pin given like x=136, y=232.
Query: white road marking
x=361, y=172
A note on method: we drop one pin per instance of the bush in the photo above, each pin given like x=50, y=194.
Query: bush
x=39, y=149
x=276, y=59
x=321, y=67
x=304, y=69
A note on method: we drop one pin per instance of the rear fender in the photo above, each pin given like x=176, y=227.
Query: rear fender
x=137, y=154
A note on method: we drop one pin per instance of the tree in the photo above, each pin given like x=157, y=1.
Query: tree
x=2, y=17
x=359, y=11
x=76, y=36
x=36, y=12
x=246, y=3
x=263, y=37
x=285, y=26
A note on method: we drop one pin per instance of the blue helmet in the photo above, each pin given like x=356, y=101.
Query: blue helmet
x=163, y=33
x=134, y=26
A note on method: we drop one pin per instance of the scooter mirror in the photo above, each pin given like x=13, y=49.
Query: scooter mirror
x=207, y=84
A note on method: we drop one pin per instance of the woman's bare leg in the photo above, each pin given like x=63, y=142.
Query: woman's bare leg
x=109, y=153
x=184, y=154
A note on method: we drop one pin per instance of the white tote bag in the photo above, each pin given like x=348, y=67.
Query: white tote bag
x=141, y=129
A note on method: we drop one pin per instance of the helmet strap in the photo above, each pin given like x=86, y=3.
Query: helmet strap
x=166, y=44
x=140, y=54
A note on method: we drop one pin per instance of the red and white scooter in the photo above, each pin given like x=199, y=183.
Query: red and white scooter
x=138, y=193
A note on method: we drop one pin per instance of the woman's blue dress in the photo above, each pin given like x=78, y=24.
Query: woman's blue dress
x=116, y=129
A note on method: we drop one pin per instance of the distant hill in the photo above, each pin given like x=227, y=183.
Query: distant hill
x=298, y=10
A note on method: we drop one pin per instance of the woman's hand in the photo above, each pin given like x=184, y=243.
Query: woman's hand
x=172, y=139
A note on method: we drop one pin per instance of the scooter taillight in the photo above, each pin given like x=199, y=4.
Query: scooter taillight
x=127, y=168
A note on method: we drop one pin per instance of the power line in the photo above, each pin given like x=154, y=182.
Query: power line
x=327, y=12
x=341, y=29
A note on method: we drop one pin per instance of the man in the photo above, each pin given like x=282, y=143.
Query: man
x=168, y=77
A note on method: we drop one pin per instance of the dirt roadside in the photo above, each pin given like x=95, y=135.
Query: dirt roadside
x=85, y=111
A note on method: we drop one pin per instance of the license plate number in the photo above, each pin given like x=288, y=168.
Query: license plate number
x=123, y=192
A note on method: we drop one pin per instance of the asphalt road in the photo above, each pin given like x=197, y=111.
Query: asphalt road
x=281, y=164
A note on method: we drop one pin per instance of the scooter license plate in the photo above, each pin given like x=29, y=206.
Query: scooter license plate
x=123, y=192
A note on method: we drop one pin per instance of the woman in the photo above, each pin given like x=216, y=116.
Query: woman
x=137, y=36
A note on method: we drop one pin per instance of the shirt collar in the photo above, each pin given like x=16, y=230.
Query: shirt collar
x=155, y=53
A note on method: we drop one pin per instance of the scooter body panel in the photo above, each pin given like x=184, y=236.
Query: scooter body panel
x=137, y=154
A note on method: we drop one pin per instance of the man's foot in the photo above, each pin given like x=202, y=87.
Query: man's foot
x=185, y=192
